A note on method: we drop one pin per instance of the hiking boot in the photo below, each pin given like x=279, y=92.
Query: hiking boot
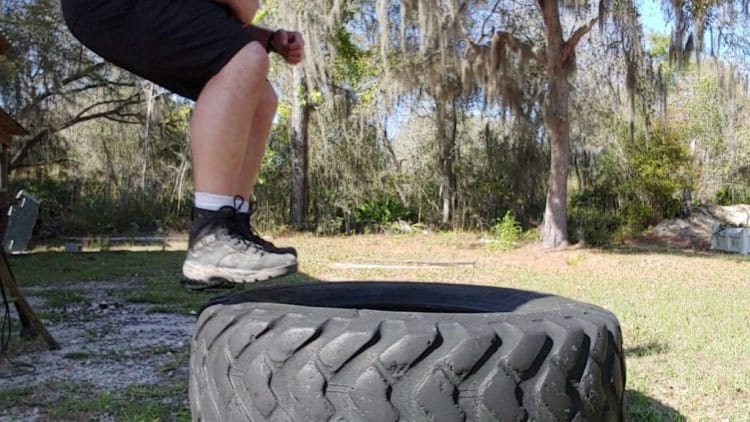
x=218, y=252
x=244, y=225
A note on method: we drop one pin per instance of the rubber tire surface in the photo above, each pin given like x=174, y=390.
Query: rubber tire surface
x=409, y=352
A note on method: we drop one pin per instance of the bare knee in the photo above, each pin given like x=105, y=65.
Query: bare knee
x=257, y=56
x=251, y=61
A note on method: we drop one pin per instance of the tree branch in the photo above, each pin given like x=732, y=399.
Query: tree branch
x=78, y=118
x=88, y=71
x=515, y=44
x=486, y=20
x=123, y=118
x=43, y=163
x=24, y=151
x=83, y=73
x=572, y=42
x=82, y=116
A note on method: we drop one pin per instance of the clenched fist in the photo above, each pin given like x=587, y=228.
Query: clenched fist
x=289, y=45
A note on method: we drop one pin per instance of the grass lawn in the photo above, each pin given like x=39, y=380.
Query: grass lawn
x=685, y=316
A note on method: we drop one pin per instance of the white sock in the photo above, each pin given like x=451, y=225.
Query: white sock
x=213, y=202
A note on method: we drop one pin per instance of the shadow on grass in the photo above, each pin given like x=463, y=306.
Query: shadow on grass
x=641, y=408
x=647, y=349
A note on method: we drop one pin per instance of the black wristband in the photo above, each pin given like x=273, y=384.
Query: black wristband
x=269, y=44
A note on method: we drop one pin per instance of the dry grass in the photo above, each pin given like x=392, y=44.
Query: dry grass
x=685, y=316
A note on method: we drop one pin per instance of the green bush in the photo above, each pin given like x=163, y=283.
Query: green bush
x=507, y=232
x=638, y=216
x=659, y=170
x=594, y=226
x=733, y=194
x=330, y=226
x=72, y=208
x=632, y=188
x=592, y=216
x=381, y=212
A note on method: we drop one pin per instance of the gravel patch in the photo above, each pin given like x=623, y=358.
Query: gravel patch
x=107, y=343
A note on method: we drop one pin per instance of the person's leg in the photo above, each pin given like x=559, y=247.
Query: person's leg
x=220, y=124
x=260, y=131
x=197, y=49
x=219, y=141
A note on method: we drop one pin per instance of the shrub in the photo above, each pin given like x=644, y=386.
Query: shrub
x=73, y=208
x=659, y=169
x=638, y=216
x=330, y=226
x=381, y=212
x=632, y=188
x=733, y=194
x=592, y=225
x=507, y=232
x=592, y=217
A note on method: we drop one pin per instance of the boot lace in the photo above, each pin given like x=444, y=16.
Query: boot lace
x=239, y=234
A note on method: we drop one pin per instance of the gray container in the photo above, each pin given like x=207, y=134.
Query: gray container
x=21, y=219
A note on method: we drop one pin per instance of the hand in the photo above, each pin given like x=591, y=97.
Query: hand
x=289, y=45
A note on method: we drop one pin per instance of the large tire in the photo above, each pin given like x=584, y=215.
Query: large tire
x=409, y=352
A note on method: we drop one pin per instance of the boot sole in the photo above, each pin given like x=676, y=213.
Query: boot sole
x=207, y=274
x=215, y=285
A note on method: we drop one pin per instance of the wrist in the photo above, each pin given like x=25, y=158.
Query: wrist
x=270, y=48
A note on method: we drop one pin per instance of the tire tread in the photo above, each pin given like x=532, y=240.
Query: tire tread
x=264, y=363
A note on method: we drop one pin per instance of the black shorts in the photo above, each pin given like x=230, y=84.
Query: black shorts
x=178, y=44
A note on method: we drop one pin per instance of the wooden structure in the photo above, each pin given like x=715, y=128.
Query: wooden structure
x=31, y=325
x=8, y=129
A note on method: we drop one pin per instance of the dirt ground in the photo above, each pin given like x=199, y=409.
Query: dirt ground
x=106, y=343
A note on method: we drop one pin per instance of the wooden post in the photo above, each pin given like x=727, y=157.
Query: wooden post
x=30, y=323
x=33, y=325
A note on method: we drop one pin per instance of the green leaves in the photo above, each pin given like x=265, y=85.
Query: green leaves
x=658, y=169
x=382, y=211
x=507, y=232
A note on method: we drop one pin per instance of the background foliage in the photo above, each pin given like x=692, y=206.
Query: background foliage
x=108, y=153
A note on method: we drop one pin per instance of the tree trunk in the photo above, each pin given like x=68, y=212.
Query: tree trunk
x=149, y=93
x=555, y=232
x=446, y=127
x=299, y=143
x=111, y=172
